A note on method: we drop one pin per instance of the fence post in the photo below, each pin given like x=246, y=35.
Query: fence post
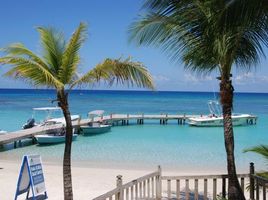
x=119, y=183
x=251, y=181
x=159, y=184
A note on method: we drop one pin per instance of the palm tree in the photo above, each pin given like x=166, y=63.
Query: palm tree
x=57, y=68
x=209, y=35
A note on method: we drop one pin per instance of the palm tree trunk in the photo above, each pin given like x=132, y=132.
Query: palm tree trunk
x=226, y=94
x=67, y=175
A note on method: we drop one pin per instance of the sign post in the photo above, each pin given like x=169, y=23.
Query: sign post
x=31, y=178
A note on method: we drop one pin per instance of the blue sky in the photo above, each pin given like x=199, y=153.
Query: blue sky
x=108, y=22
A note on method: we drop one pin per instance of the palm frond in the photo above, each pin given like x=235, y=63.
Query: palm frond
x=120, y=72
x=261, y=150
x=70, y=59
x=31, y=71
x=53, y=45
x=205, y=34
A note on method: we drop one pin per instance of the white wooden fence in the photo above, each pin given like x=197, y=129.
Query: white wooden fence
x=201, y=187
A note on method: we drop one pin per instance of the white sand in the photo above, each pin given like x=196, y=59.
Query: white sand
x=88, y=182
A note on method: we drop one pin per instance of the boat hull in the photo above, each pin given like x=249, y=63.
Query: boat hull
x=52, y=139
x=87, y=130
x=239, y=120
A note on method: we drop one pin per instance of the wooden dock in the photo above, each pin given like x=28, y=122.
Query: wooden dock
x=117, y=119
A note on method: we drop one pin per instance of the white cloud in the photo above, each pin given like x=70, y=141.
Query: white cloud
x=249, y=78
x=160, y=78
x=195, y=79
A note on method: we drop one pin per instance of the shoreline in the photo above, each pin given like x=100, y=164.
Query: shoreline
x=88, y=181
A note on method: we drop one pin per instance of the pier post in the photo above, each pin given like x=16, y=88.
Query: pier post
x=251, y=181
x=127, y=119
x=15, y=144
x=119, y=183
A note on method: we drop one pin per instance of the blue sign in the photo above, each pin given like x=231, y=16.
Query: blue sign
x=31, y=178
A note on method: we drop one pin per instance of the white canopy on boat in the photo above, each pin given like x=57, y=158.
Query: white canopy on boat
x=96, y=112
x=47, y=108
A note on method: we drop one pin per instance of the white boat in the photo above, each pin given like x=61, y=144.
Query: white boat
x=3, y=132
x=49, y=120
x=95, y=127
x=54, y=137
x=216, y=119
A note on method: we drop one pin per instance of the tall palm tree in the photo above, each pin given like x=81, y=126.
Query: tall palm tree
x=57, y=68
x=208, y=35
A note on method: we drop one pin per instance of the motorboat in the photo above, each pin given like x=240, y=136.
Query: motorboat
x=95, y=127
x=53, y=137
x=2, y=132
x=49, y=120
x=215, y=118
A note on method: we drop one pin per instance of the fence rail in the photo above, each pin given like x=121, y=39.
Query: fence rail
x=194, y=187
x=146, y=187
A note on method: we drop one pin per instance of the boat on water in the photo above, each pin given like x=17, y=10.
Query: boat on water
x=95, y=127
x=215, y=118
x=2, y=132
x=54, y=137
x=49, y=120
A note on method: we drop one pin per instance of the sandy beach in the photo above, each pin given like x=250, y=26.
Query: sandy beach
x=88, y=182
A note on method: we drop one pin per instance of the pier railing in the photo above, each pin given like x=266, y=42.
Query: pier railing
x=194, y=187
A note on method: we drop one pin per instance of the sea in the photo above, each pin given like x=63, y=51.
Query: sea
x=173, y=146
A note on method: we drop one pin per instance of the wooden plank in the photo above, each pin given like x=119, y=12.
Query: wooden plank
x=148, y=188
x=144, y=188
x=178, y=189
x=169, y=188
x=187, y=190
x=214, y=189
x=127, y=194
x=196, y=189
x=205, y=189
x=140, y=189
x=131, y=193
x=153, y=187
x=202, y=177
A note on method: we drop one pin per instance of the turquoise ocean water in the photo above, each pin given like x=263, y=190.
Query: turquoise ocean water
x=180, y=147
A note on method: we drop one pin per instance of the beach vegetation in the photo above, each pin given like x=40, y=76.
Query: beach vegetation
x=208, y=36
x=57, y=67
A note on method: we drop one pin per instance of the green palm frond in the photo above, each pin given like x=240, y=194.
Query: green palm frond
x=261, y=150
x=119, y=71
x=205, y=34
x=31, y=71
x=70, y=59
x=53, y=44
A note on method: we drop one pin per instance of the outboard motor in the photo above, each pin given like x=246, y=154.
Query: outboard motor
x=29, y=124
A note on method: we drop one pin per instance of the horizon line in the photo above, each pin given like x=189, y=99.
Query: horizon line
x=125, y=90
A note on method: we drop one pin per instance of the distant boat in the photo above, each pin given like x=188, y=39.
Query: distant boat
x=49, y=120
x=95, y=127
x=3, y=132
x=55, y=137
x=215, y=118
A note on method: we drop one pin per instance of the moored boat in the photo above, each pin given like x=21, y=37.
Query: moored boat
x=95, y=127
x=49, y=120
x=216, y=119
x=54, y=137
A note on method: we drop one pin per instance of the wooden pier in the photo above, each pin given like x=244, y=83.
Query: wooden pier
x=115, y=119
